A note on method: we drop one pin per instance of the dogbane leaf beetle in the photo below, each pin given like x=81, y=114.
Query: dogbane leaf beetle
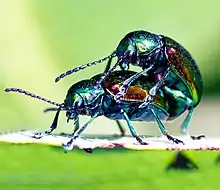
x=83, y=99
x=167, y=61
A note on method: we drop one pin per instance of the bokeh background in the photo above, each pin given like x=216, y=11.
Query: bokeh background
x=39, y=39
x=42, y=38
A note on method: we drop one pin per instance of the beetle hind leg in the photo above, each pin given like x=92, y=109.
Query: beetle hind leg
x=132, y=130
x=189, y=104
x=184, y=126
x=163, y=129
x=121, y=128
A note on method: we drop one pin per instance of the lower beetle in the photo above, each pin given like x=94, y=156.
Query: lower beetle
x=83, y=99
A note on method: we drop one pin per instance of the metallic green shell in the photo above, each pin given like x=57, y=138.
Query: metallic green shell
x=85, y=89
x=185, y=67
x=145, y=42
x=141, y=42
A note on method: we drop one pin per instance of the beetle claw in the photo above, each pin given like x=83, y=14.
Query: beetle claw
x=141, y=141
x=174, y=140
x=198, y=137
x=38, y=135
x=88, y=150
x=118, y=97
x=67, y=147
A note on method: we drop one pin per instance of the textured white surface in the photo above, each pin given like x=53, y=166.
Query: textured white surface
x=154, y=143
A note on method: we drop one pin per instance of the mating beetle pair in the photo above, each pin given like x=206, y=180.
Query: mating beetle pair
x=168, y=64
x=169, y=84
x=83, y=99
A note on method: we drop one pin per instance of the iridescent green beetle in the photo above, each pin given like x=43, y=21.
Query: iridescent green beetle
x=167, y=63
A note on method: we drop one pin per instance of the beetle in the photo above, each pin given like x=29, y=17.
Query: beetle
x=164, y=59
x=83, y=99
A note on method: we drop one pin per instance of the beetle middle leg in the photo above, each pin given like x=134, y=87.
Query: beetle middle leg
x=189, y=104
x=153, y=90
x=132, y=130
x=127, y=83
x=163, y=129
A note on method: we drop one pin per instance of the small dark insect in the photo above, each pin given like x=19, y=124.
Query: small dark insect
x=83, y=99
x=167, y=63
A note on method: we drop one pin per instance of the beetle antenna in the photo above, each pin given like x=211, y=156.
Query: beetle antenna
x=62, y=108
x=18, y=90
x=81, y=67
x=109, y=71
x=50, y=109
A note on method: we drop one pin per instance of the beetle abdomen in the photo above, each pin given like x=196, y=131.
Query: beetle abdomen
x=185, y=66
x=145, y=114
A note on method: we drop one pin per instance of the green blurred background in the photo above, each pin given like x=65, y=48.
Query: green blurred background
x=39, y=39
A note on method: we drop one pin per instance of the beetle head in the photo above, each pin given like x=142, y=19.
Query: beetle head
x=127, y=52
x=73, y=104
x=140, y=48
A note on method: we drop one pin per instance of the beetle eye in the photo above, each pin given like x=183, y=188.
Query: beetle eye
x=131, y=57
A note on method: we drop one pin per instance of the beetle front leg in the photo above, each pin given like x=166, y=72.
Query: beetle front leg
x=153, y=90
x=122, y=130
x=107, y=73
x=52, y=127
x=163, y=129
x=108, y=65
x=189, y=104
x=76, y=125
x=77, y=134
x=123, y=89
x=132, y=130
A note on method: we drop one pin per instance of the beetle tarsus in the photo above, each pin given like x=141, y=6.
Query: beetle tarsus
x=118, y=97
x=141, y=141
x=174, y=140
x=198, y=137
x=147, y=102
x=67, y=147
x=38, y=135
x=88, y=150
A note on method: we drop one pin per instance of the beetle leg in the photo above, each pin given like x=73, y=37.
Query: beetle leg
x=189, y=104
x=122, y=130
x=76, y=125
x=163, y=129
x=153, y=90
x=185, y=125
x=52, y=127
x=132, y=130
x=106, y=74
x=108, y=65
x=127, y=83
x=77, y=133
